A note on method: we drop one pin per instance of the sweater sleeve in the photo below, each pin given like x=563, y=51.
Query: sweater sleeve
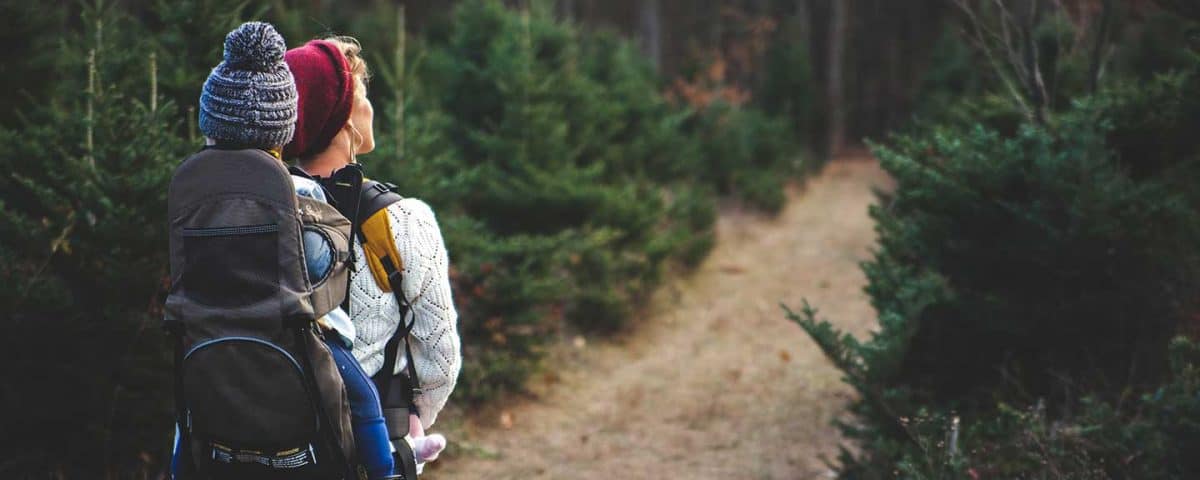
x=436, y=345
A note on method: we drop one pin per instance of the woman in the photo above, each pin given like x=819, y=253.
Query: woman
x=334, y=126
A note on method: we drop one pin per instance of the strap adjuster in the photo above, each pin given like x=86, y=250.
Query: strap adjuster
x=395, y=280
x=174, y=327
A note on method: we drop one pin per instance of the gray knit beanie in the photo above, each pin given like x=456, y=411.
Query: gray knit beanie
x=249, y=99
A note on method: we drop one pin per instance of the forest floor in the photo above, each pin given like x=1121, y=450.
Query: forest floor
x=713, y=381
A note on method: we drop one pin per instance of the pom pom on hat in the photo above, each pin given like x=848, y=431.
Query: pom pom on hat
x=254, y=46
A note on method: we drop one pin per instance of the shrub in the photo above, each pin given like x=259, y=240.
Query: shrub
x=745, y=153
x=1015, y=275
x=568, y=167
x=1151, y=435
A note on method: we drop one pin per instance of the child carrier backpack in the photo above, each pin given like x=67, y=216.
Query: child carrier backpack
x=365, y=202
x=257, y=393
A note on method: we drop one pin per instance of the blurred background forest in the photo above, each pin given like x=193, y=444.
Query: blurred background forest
x=1035, y=280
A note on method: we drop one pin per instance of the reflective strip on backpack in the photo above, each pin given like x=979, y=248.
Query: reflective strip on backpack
x=286, y=459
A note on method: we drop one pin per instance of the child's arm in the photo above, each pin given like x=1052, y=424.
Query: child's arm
x=415, y=430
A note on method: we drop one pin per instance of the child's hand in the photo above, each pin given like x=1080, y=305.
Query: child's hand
x=415, y=430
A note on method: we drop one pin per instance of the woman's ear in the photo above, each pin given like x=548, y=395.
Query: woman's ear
x=356, y=139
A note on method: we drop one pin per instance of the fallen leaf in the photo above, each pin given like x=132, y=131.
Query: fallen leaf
x=506, y=420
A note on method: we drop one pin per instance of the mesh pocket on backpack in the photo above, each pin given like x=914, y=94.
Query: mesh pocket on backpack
x=231, y=266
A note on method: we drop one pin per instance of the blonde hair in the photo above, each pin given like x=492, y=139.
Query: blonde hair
x=352, y=50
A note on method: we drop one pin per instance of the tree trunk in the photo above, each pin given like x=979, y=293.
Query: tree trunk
x=895, y=91
x=1097, y=60
x=1028, y=18
x=566, y=10
x=836, y=79
x=650, y=31
x=804, y=21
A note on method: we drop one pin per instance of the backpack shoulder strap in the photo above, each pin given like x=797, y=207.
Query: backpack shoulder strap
x=387, y=267
x=374, y=231
x=375, y=196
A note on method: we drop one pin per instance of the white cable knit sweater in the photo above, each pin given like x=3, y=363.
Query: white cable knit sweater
x=426, y=285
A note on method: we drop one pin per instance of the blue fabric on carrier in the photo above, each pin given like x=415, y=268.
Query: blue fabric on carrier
x=366, y=416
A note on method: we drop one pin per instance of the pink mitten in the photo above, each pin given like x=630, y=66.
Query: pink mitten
x=427, y=448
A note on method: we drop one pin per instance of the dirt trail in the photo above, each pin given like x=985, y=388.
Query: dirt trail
x=714, y=382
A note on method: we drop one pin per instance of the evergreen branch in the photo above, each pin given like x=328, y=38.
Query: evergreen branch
x=840, y=348
x=59, y=242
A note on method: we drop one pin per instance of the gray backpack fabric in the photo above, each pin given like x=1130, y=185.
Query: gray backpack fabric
x=257, y=392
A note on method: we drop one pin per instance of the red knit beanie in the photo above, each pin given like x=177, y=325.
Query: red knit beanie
x=326, y=89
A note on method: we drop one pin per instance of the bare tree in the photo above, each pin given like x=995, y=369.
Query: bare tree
x=1097, y=60
x=1003, y=30
x=804, y=19
x=1027, y=19
x=1006, y=39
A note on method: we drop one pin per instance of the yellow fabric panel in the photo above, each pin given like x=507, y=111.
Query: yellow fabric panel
x=380, y=243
